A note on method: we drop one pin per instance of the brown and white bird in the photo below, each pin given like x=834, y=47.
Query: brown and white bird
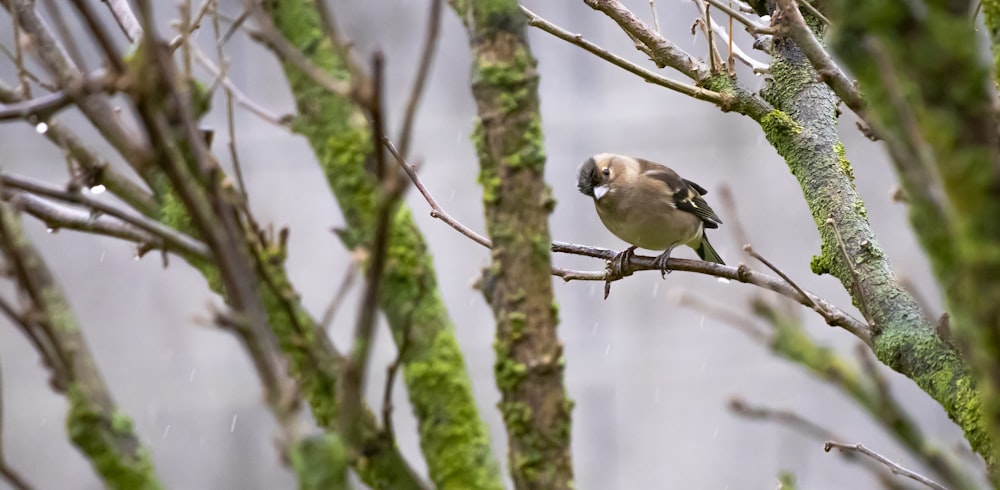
x=649, y=206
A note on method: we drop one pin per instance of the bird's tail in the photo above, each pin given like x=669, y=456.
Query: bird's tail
x=707, y=253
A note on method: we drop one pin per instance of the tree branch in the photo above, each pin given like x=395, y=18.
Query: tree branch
x=895, y=468
x=652, y=77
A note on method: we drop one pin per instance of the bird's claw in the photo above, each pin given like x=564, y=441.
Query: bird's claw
x=660, y=262
x=621, y=264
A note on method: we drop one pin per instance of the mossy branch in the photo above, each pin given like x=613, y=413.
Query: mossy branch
x=94, y=424
x=802, y=128
x=945, y=147
x=454, y=439
x=508, y=138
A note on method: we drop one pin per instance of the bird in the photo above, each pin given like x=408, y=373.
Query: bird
x=649, y=206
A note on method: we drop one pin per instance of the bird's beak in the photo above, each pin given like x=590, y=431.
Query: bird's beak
x=600, y=191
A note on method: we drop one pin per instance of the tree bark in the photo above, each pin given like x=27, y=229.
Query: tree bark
x=508, y=138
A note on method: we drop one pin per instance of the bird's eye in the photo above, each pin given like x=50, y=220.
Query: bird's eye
x=606, y=171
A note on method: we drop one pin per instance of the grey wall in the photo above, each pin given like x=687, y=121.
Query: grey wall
x=651, y=380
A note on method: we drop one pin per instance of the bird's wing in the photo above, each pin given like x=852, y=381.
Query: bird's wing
x=686, y=194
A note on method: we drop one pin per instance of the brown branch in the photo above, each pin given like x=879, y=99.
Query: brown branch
x=662, y=50
x=894, y=467
x=752, y=27
x=423, y=71
x=652, y=77
x=122, y=12
x=785, y=417
x=169, y=237
x=101, y=35
x=132, y=145
x=391, y=190
x=57, y=217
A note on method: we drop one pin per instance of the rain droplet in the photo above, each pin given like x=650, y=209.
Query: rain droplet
x=101, y=261
x=136, y=258
x=166, y=432
x=656, y=288
x=42, y=128
x=45, y=420
x=594, y=331
x=723, y=280
x=232, y=426
x=607, y=350
x=701, y=322
x=656, y=395
x=52, y=230
x=714, y=435
x=98, y=189
x=193, y=372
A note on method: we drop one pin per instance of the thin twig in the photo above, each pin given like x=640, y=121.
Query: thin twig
x=806, y=4
x=656, y=18
x=238, y=95
x=785, y=417
x=577, y=39
x=743, y=56
x=338, y=297
x=753, y=253
x=752, y=27
x=103, y=37
x=894, y=467
x=170, y=237
x=391, y=191
x=423, y=71
x=122, y=12
x=58, y=217
x=855, y=277
x=740, y=320
x=230, y=111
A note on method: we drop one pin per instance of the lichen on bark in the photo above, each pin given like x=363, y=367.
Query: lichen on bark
x=517, y=202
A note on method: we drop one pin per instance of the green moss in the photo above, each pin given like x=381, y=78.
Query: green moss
x=450, y=429
x=58, y=310
x=530, y=152
x=843, y=162
x=819, y=265
x=509, y=373
x=320, y=462
x=779, y=126
x=516, y=321
x=516, y=416
x=109, y=443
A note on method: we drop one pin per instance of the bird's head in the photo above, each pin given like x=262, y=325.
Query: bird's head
x=595, y=175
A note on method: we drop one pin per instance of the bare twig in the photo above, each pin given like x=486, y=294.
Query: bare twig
x=170, y=238
x=423, y=70
x=656, y=18
x=56, y=217
x=753, y=253
x=103, y=37
x=752, y=27
x=756, y=66
x=663, y=51
x=784, y=417
x=577, y=39
x=238, y=95
x=391, y=190
x=894, y=467
x=122, y=12
x=740, y=320
x=855, y=280
x=338, y=297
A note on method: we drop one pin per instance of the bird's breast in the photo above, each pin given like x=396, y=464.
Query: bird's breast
x=652, y=225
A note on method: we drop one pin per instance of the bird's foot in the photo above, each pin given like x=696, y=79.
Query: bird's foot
x=621, y=263
x=660, y=262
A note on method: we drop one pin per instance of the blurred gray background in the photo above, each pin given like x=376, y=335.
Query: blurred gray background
x=651, y=380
